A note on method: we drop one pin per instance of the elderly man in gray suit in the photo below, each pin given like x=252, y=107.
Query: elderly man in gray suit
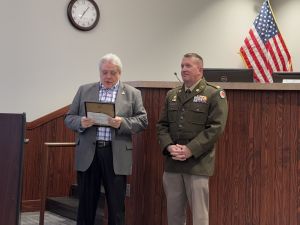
x=104, y=153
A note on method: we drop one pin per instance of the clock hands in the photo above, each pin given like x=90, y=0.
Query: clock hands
x=84, y=12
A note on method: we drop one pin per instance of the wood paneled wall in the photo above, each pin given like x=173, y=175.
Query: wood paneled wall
x=49, y=128
x=256, y=179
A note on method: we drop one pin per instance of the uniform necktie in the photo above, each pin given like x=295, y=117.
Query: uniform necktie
x=187, y=92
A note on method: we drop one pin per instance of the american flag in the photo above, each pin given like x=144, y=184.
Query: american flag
x=264, y=49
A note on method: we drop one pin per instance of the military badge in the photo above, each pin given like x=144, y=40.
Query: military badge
x=222, y=94
x=200, y=98
x=174, y=98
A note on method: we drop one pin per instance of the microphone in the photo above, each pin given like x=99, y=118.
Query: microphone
x=175, y=74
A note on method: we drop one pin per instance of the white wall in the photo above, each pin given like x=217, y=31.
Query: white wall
x=44, y=59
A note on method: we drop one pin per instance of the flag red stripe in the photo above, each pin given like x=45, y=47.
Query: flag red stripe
x=272, y=54
x=261, y=53
x=279, y=52
x=284, y=46
x=248, y=56
x=256, y=61
x=246, y=59
x=285, y=53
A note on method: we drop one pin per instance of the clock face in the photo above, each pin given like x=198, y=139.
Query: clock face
x=83, y=14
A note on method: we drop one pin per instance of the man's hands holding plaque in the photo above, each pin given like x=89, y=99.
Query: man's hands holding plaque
x=112, y=122
x=86, y=122
x=100, y=114
x=115, y=122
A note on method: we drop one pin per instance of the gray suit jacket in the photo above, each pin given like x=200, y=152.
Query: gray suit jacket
x=128, y=105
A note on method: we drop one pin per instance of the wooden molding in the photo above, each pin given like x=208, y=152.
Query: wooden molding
x=224, y=85
x=45, y=119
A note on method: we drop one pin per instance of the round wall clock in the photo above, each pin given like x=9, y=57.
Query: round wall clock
x=83, y=14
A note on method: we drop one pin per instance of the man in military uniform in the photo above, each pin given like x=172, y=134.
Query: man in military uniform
x=193, y=118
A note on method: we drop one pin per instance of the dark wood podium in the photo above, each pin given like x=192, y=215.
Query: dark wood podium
x=257, y=176
x=11, y=157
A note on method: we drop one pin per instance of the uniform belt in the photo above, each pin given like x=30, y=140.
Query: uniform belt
x=102, y=144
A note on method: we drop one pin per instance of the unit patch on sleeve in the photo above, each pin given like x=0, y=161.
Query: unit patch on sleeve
x=222, y=94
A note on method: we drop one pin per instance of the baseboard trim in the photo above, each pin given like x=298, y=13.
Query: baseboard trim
x=30, y=205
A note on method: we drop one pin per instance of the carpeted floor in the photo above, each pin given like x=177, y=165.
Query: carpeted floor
x=32, y=218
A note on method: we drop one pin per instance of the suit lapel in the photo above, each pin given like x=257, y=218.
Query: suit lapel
x=93, y=95
x=120, y=97
x=118, y=104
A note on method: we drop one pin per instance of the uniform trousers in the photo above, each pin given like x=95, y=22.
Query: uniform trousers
x=89, y=182
x=182, y=188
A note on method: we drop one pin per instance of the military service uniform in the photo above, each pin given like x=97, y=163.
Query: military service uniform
x=195, y=120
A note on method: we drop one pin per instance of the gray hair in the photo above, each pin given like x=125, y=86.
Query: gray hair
x=193, y=55
x=114, y=59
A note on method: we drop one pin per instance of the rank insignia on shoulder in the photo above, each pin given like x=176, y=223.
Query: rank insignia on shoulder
x=200, y=98
x=222, y=94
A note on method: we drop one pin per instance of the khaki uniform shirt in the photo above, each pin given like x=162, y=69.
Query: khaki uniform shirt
x=195, y=121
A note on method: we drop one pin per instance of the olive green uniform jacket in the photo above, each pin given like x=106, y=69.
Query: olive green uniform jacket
x=196, y=121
